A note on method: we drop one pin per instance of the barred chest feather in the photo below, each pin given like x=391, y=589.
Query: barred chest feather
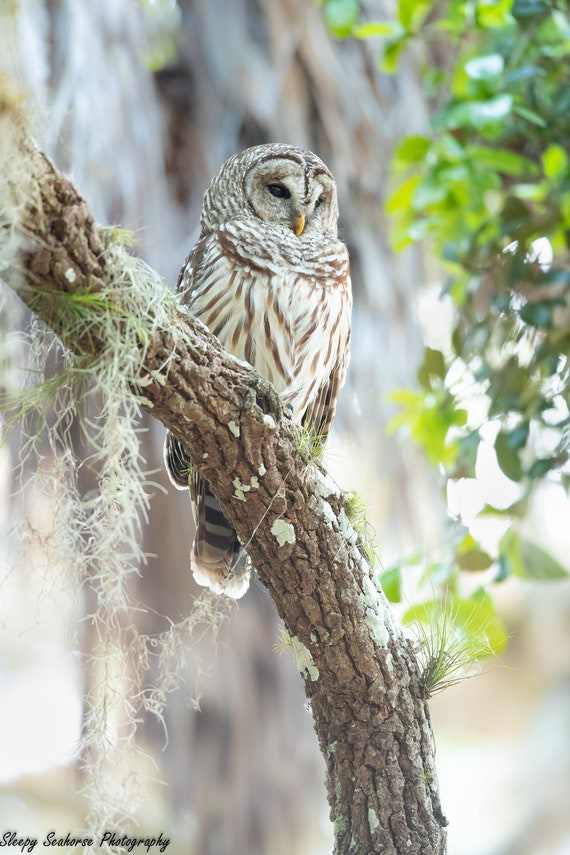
x=283, y=303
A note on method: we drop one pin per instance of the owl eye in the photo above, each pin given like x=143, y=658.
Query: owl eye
x=279, y=191
x=319, y=202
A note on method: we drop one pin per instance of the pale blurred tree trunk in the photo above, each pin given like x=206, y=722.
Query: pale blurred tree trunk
x=142, y=151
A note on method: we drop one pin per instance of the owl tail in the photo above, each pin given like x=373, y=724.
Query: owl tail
x=218, y=561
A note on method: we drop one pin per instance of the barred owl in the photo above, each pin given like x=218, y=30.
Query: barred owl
x=270, y=278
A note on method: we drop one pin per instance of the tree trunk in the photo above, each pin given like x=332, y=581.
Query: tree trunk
x=360, y=674
x=244, y=72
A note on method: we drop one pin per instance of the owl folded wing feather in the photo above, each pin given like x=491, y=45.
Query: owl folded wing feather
x=319, y=415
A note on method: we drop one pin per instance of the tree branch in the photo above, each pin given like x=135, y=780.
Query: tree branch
x=360, y=674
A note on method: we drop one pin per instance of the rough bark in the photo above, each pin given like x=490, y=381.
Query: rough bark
x=361, y=675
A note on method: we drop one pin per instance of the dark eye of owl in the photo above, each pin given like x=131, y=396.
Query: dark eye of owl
x=319, y=202
x=279, y=191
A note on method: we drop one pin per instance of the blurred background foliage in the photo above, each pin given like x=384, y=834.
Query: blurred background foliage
x=487, y=190
x=446, y=127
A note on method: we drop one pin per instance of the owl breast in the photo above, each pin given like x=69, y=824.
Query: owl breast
x=282, y=304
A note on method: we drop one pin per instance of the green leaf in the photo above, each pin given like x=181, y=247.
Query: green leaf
x=474, y=560
x=341, y=16
x=401, y=199
x=510, y=555
x=507, y=457
x=480, y=619
x=531, y=192
x=485, y=67
x=528, y=561
x=530, y=115
x=433, y=366
x=507, y=387
x=407, y=398
x=466, y=455
x=413, y=149
x=450, y=149
x=517, y=509
x=391, y=54
x=530, y=8
x=524, y=73
x=467, y=542
x=377, y=29
x=517, y=438
x=541, y=466
x=428, y=417
x=538, y=564
x=430, y=191
x=555, y=162
x=562, y=23
x=412, y=12
x=419, y=229
x=513, y=215
x=502, y=160
x=493, y=14
x=479, y=114
x=391, y=582
x=538, y=314
x=504, y=569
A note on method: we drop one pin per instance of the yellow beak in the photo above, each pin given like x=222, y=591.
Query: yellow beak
x=299, y=224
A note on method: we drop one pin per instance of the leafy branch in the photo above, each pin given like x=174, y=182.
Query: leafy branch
x=487, y=190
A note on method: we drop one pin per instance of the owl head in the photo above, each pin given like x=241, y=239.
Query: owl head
x=278, y=184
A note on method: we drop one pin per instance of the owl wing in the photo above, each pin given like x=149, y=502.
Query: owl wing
x=319, y=415
x=330, y=358
x=203, y=287
x=217, y=560
x=177, y=461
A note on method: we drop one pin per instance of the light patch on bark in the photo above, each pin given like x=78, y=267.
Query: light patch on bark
x=378, y=631
x=371, y=590
x=70, y=274
x=233, y=428
x=153, y=377
x=373, y=821
x=325, y=486
x=261, y=471
x=329, y=513
x=283, y=532
x=374, y=618
x=269, y=421
x=241, y=489
x=304, y=659
x=346, y=528
x=340, y=825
